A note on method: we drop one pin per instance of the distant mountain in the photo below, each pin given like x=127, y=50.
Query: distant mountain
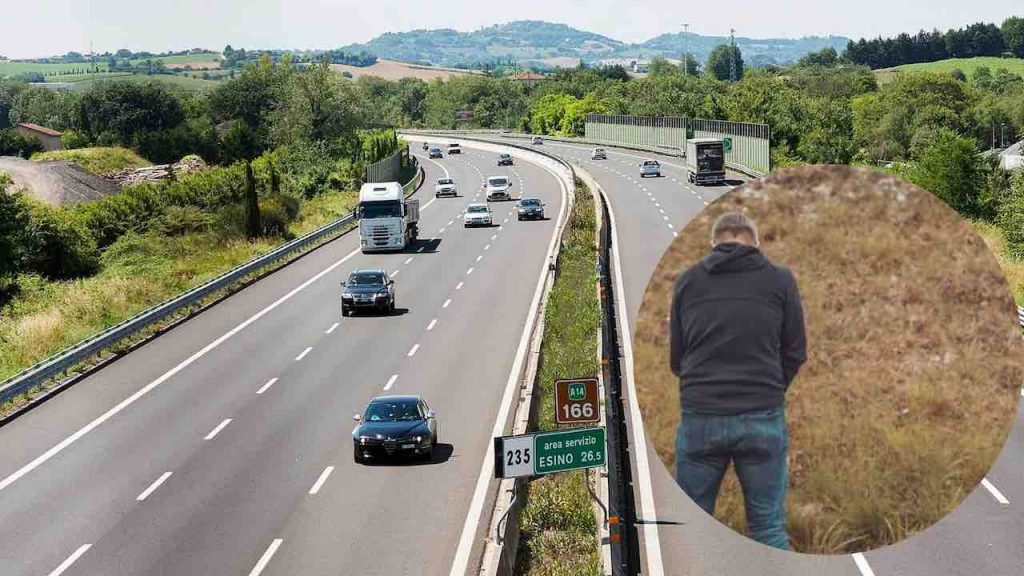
x=546, y=43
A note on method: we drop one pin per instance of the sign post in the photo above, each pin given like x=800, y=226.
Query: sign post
x=577, y=401
x=549, y=452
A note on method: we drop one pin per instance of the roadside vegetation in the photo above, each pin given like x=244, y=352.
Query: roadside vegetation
x=912, y=379
x=559, y=530
x=98, y=160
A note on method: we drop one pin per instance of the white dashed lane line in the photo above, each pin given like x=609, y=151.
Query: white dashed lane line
x=412, y=351
x=266, y=386
x=320, y=481
x=862, y=564
x=446, y=303
x=432, y=324
x=391, y=382
x=995, y=492
x=332, y=328
x=152, y=487
x=470, y=271
x=395, y=273
x=480, y=257
x=488, y=247
x=459, y=285
x=303, y=354
x=408, y=260
x=213, y=433
x=70, y=560
x=265, y=559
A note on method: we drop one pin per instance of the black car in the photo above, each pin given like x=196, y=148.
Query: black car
x=504, y=160
x=368, y=290
x=394, y=425
x=435, y=153
x=530, y=209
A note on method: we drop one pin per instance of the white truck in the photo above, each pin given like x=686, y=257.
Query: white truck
x=387, y=219
x=705, y=161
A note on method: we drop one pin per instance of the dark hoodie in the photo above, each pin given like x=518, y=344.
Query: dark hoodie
x=737, y=331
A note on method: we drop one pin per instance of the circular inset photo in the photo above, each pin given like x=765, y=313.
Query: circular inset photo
x=828, y=359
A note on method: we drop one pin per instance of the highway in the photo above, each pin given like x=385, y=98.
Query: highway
x=982, y=536
x=223, y=446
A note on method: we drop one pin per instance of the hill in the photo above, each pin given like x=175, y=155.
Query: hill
x=546, y=43
x=966, y=65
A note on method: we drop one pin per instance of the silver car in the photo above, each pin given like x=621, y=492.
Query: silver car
x=650, y=168
x=477, y=214
x=446, y=187
x=598, y=154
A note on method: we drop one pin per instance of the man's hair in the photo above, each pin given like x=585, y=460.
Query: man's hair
x=733, y=224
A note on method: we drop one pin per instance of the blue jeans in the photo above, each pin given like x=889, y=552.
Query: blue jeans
x=755, y=442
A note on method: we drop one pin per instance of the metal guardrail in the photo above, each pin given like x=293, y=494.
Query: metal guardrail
x=62, y=361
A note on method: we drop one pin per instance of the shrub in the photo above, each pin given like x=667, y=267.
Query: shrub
x=14, y=144
x=61, y=245
x=274, y=217
x=14, y=219
x=71, y=140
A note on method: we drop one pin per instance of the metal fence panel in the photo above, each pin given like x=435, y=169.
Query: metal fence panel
x=386, y=170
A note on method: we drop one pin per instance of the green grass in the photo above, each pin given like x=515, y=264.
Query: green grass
x=9, y=68
x=186, y=83
x=1012, y=267
x=85, y=77
x=183, y=59
x=559, y=531
x=96, y=160
x=967, y=65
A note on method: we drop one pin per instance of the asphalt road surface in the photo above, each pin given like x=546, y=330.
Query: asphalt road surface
x=224, y=447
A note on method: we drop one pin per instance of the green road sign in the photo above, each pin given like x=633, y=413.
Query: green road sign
x=568, y=450
x=577, y=391
x=727, y=144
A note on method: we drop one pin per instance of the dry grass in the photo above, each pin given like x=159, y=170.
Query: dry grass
x=913, y=372
x=96, y=160
x=393, y=70
x=1012, y=267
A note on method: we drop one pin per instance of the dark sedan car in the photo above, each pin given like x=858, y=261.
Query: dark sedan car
x=530, y=209
x=368, y=290
x=504, y=160
x=394, y=425
x=435, y=153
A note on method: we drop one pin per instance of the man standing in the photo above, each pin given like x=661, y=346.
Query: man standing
x=737, y=333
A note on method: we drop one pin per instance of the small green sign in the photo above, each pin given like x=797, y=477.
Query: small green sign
x=577, y=391
x=568, y=450
x=727, y=144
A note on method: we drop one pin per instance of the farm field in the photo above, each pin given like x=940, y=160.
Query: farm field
x=8, y=68
x=184, y=82
x=967, y=65
x=394, y=70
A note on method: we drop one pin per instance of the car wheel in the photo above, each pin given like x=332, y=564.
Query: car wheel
x=356, y=457
x=345, y=312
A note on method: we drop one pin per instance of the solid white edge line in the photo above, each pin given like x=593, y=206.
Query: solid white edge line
x=391, y=382
x=862, y=564
x=265, y=559
x=412, y=351
x=320, y=481
x=152, y=487
x=995, y=492
x=266, y=386
x=331, y=329
x=303, y=354
x=60, y=446
x=652, y=543
x=469, y=529
x=213, y=433
x=70, y=560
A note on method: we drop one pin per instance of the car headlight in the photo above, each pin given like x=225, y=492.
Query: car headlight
x=418, y=439
x=383, y=294
x=346, y=296
x=363, y=439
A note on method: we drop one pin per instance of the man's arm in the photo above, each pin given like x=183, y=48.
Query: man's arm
x=794, y=337
x=675, y=329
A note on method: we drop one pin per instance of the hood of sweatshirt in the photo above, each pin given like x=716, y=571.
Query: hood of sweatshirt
x=730, y=257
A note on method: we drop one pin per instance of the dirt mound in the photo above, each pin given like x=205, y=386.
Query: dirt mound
x=57, y=182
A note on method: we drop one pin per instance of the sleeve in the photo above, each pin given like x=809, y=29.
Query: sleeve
x=794, y=337
x=675, y=328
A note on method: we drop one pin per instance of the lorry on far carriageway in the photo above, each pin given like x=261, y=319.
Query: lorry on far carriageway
x=388, y=221
x=705, y=161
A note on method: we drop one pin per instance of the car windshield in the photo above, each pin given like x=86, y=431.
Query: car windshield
x=497, y=181
x=477, y=209
x=444, y=181
x=392, y=411
x=366, y=278
x=529, y=202
x=505, y=156
x=599, y=150
x=437, y=150
x=650, y=163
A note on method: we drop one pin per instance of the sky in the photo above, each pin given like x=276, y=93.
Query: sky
x=36, y=28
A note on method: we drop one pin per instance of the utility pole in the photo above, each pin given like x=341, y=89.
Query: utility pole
x=732, y=54
x=686, y=53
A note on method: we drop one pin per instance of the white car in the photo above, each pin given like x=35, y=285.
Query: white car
x=598, y=154
x=650, y=168
x=453, y=148
x=537, y=140
x=498, y=188
x=446, y=187
x=477, y=214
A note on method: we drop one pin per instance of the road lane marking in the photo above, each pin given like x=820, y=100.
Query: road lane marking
x=152, y=487
x=480, y=257
x=470, y=271
x=441, y=231
x=266, y=386
x=395, y=273
x=70, y=560
x=862, y=564
x=666, y=218
x=450, y=222
x=488, y=247
x=412, y=351
x=60, y=446
x=303, y=354
x=995, y=492
x=432, y=324
x=265, y=559
x=391, y=382
x=217, y=430
x=320, y=481
x=459, y=285
x=409, y=259
x=446, y=303
x=331, y=329
x=495, y=237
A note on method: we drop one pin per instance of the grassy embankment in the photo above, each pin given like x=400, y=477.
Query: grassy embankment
x=96, y=160
x=559, y=531
x=966, y=65
x=912, y=378
x=138, y=271
x=1012, y=267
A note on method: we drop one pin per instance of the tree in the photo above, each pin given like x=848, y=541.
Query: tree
x=959, y=75
x=14, y=144
x=661, y=67
x=246, y=104
x=721, y=61
x=14, y=220
x=824, y=57
x=947, y=165
x=253, y=228
x=317, y=106
x=122, y=113
x=1013, y=35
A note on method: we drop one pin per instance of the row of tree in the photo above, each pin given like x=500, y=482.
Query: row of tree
x=981, y=39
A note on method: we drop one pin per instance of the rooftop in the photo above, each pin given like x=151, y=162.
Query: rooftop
x=40, y=129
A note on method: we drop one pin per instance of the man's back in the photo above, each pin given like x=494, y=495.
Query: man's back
x=737, y=332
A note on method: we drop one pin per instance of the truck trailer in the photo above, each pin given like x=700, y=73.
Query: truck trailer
x=388, y=221
x=705, y=161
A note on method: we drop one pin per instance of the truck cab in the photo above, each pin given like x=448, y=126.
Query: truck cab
x=387, y=220
x=705, y=161
x=454, y=148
